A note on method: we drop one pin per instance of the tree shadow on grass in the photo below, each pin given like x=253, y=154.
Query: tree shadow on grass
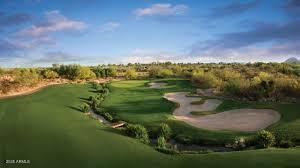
x=84, y=99
x=93, y=91
x=74, y=108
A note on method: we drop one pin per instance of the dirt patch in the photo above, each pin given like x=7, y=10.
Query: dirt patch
x=29, y=90
x=237, y=120
x=157, y=85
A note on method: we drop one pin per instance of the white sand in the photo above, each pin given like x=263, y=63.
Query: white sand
x=238, y=120
x=157, y=85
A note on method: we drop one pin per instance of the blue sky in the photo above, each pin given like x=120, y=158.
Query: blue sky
x=43, y=32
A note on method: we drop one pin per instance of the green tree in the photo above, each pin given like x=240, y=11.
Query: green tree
x=165, y=131
x=161, y=142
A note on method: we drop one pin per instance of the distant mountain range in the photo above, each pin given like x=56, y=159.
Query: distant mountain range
x=292, y=60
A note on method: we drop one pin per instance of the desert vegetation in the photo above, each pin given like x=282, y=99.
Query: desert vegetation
x=136, y=94
x=258, y=81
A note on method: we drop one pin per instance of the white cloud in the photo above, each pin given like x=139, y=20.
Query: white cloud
x=161, y=9
x=275, y=53
x=149, y=55
x=54, y=22
x=109, y=27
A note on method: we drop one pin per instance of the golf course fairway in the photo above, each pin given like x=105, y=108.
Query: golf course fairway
x=47, y=128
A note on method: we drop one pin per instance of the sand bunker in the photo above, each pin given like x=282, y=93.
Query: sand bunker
x=238, y=120
x=157, y=85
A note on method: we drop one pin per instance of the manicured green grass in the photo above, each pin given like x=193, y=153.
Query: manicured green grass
x=202, y=113
x=134, y=101
x=47, y=128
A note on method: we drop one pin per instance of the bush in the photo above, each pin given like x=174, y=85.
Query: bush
x=7, y=85
x=26, y=77
x=165, y=131
x=94, y=102
x=130, y=74
x=49, y=74
x=239, y=143
x=107, y=116
x=206, y=80
x=85, y=73
x=165, y=73
x=161, y=142
x=284, y=139
x=84, y=108
x=137, y=131
x=154, y=71
x=265, y=139
x=286, y=144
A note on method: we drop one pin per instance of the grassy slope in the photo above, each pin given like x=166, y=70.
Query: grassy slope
x=135, y=102
x=47, y=129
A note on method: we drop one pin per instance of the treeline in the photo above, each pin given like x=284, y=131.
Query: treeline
x=257, y=81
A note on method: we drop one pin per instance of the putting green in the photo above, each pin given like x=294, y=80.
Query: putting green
x=47, y=129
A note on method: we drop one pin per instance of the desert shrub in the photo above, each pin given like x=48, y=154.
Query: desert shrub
x=238, y=87
x=233, y=86
x=85, y=73
x=7, y=85
x=227, y=74
x=2, y=71
x=165, y=131
x=163, y=73
x=154, y=71
x=287, y=86
x=105, y=72
x=161, y=142
x=49, y=74
x=137, y=131
x=26, y=77
x=206, y=79
x=74, y=72
x=265, y=139
x=68, y=71
x=130, y=74
x=84, y=108
x=265, y=76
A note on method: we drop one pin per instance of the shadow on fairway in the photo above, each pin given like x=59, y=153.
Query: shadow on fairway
x=74, y=108
x=84, y=99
